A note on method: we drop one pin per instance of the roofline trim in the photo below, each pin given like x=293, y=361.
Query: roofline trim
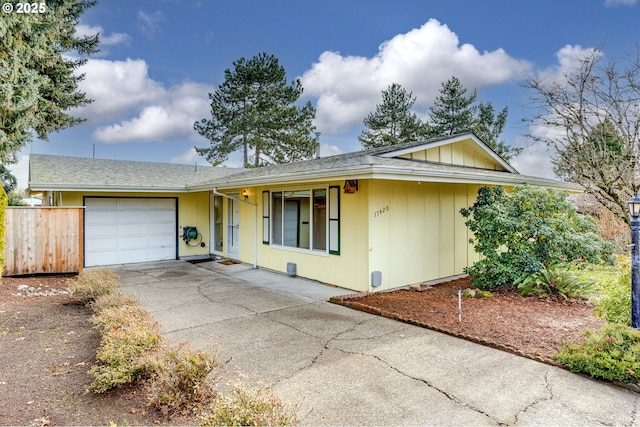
x=402, y=174
x=36, y=187
x=452, y=140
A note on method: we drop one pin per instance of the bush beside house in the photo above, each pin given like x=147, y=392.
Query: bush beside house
x=525, y=231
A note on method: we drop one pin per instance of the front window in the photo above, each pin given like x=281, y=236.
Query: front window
x=299, y=219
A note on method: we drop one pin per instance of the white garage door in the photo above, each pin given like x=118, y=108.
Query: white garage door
x=126, y=230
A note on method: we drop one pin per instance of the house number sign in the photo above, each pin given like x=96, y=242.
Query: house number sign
x=382, y=210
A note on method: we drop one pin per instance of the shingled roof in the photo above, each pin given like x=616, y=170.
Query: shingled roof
x=74, y=173
x=47, y=172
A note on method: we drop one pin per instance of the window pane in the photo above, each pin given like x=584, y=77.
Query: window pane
x=320, y=219
x=296, y=229
x=276, y=223
x=217, y=227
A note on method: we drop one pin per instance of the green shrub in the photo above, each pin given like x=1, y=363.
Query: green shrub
x=612, y=353
x=180, y=381
x=520, y=232
x=249, y=407
x=615, y=303
x=556, y=280
x=91, y=284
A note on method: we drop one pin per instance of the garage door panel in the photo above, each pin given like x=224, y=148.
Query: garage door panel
x=104, y=203
x=132, y=255
x=132, y=217
x=132, y=204
x=135, y=229
x=101, y=230
x=132, y=242
x=100, y=217
x=161, y=242
x=162, y=204
x=107, y=258
x=101, y=245
x=126, y=230
x=158, y=228
x=161, y=217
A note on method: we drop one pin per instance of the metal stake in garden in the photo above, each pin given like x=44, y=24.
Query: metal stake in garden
x=634, y=209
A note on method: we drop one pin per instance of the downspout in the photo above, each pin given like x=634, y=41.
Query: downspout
x=255, y=223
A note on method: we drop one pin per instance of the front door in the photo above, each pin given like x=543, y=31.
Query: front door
x=216, y=224
x=233, y=227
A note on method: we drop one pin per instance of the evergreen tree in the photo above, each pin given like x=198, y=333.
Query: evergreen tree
x=254, y=109
x=393, y=122
x=490, y=127
x=38, y=79
x=455, y=112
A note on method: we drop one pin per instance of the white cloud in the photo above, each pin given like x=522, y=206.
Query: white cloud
x=117, y=87
x=535, y=160
x=613, y=3
x=188, y=157
x=170, y=117
x=568, y=59
x=348, y=87
x=149, y=23
x=327, y=150
x=112, y=39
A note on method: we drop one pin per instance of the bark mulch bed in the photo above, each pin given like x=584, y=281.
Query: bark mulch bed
x=528, y=326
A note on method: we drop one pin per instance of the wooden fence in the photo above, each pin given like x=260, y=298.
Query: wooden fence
x=43, y=240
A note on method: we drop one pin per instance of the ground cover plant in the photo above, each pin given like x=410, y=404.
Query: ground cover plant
x=611, y=353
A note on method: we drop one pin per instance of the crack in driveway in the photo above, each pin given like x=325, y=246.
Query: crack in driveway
x=448, y=395
x=547, y=385
x=324, y=347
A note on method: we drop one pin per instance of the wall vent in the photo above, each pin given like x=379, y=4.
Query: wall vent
x=376, y=278
x=292, y=269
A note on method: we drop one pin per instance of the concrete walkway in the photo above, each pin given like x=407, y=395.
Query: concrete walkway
x=345, y=367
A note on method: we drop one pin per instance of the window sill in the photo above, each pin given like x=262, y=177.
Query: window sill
x=300, y=250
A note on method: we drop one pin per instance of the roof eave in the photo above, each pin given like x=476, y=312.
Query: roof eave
x=38, y=187
x=385, y=172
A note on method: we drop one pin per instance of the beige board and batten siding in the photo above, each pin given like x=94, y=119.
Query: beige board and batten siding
x=417, y=233
x=408, y=231
x=43, y=240
x=463, y=153
x=348, y=269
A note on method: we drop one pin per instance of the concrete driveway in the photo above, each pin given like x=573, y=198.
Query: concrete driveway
x=345, y=367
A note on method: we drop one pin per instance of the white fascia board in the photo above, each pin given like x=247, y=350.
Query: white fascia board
x=469, y=178
x=105, y=188
x=453, y=140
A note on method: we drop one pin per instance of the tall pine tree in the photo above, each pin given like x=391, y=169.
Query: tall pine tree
x=254, y=110
x=392, y=122
x=38, y=78
x=454, y=111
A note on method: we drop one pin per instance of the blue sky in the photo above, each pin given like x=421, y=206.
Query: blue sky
x=160, y=59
